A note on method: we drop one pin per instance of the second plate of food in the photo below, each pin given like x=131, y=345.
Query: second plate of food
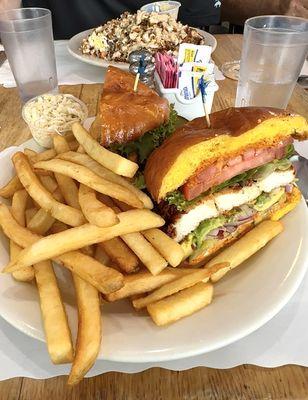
x=74, y=48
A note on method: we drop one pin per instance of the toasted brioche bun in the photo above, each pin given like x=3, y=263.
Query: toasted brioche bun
x=232, y=131
x=125, y=115
x=275, y=213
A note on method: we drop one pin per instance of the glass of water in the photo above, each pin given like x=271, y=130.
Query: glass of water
x=274, y=50
x=26, y=34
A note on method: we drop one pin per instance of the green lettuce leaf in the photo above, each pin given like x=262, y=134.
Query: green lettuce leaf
x=139, y=181
x=144, y=146
x=177, y=199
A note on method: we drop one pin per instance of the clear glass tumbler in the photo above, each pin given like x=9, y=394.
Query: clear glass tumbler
x=274, y=50
x=26, y=35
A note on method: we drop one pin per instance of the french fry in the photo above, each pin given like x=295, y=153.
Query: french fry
x=30, y=153
x=167, y=247
x=73, y=144
x=75, y=238
x=41, y=222
x=29, y=214
x=245, y=247
x=66, y=184
x=24, y=274
x=38, y=192
x=119, y=204
x=56, y=328
x=154, y=262
x=80, y=149
x=60, y=144
x=71, y=140
x=32, y=156
x=135, y=297
x=105, y=279
x=101, y=256
x=89, y=330
x=144, y=281
x=88, y=250
x=108, y=159
x=11, y=187
x=48, y=182
x=43, y=156
x=181, y=304
x=57, y=195
x=120, y=254
x=89, y=178
x=69, y=137
x=138, y=244
x=19, y=204
x=177, y=285
x=86, y=161
x=68, y=189
x=57, y=332
x=96, y=212
x=57, y=227
x=14, y=231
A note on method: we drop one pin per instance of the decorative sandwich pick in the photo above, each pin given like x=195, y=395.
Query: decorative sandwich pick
x=141, y=70
x=202, y=86
x=141, y=64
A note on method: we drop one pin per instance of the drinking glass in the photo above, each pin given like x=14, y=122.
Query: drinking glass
x=26, y=34
x=274, y=50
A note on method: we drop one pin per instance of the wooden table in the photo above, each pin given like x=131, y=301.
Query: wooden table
x=241, y=383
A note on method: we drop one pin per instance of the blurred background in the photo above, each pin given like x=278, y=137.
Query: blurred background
x=215, y=16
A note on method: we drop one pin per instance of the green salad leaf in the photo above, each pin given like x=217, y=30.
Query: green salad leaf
x=144, y=145
x=177, y=199
x=139, y=181
x=289, y=151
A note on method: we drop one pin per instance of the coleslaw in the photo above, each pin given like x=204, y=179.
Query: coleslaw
x=52, y=113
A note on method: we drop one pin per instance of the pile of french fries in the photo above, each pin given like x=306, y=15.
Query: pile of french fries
x=75, y=205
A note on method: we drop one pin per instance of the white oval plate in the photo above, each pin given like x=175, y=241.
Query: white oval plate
x=244, y=300
x=75, y=42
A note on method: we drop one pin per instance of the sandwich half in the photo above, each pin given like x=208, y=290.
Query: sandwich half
x=213, y=185
x=130, y=123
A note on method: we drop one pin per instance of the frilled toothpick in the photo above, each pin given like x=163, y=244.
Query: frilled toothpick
x=202, y=86
x=141, y=70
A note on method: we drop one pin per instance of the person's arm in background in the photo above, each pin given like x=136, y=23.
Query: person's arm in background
x=297, y=8
x=9, y=4
x=237, y=11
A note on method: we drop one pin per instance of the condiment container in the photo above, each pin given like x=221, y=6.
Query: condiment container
x=189, y=109
x=55, y=118
x=163, y=7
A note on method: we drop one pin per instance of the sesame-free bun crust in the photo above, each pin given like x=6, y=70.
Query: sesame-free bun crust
x=126, y=115
x=232, y=131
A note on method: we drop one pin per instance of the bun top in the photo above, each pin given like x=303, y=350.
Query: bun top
x=124, y=114
x=232, y=130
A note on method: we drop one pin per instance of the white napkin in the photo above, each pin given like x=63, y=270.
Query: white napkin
x=70, y=70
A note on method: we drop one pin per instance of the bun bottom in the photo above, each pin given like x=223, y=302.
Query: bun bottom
x=276, y=212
